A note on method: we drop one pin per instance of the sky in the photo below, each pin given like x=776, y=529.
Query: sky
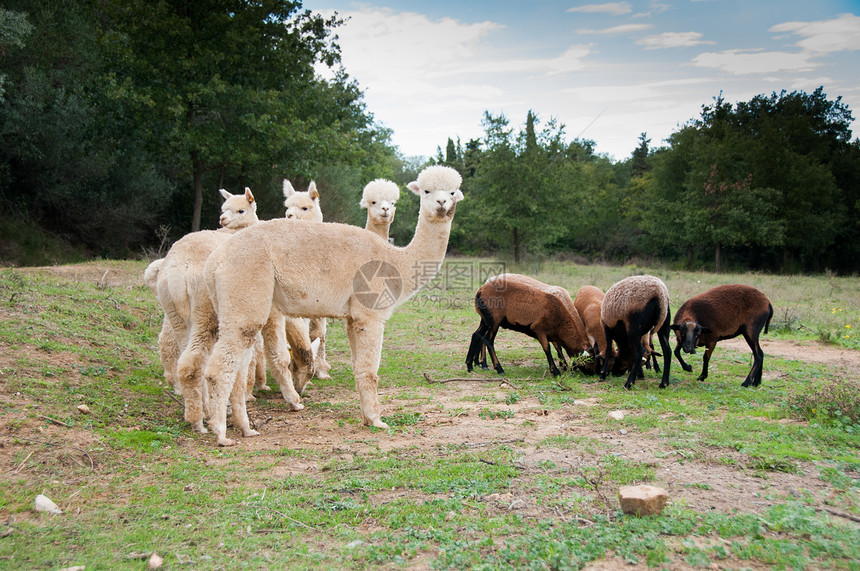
x=607, y=71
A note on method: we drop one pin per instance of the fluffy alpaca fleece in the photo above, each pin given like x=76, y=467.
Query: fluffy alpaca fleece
x=721, y=313
x=529, y=306
x=380, y=198
x=177, y=281
x=632, y=309
x=310, y=269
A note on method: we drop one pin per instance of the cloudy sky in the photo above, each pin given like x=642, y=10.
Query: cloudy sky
x=607, y=71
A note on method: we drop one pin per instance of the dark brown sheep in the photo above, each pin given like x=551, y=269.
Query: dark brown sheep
x=722, y=313
x=632, y=308
x=526, y=305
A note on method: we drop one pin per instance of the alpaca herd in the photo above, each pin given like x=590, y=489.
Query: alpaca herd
x=245, y=297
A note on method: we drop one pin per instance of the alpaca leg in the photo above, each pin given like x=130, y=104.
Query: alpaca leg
x=260, y=366
x=303, y=358
x=169, y=350
x=189, y=371
x=275, y=343
x=239, y=399
x=232, y=353
x=318, y=331
x=365, y=341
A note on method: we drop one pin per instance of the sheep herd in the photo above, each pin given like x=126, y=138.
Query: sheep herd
x=244, y=297
x=615, y=329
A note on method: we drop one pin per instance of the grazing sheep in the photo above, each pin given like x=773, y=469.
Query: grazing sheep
x=306, y=206
x=632, y=308
x=588, y=301
x=308, y=269
x=379, y=198
x=722, y=313
x=180, y=292
x=526, y=305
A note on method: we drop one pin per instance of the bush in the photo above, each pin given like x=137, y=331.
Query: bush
x=836, y=401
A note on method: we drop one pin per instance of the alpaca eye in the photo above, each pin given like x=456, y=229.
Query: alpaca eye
x=241, y=212
x=373, y=203
x=304, y=208
x=426, y=192
x=452, y=193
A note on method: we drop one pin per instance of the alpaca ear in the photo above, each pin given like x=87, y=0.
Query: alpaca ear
x=315, y=345
x=288, y=189
x=458, y=195
x=248, y=196
x=364, y=203
x=224, y=193
x=312, y=191
x=413, y=186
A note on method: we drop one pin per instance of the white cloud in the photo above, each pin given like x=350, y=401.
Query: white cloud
x=673, y=40
x=622, y=29
x=825, y=36
x=744, y=62
x=614, y=8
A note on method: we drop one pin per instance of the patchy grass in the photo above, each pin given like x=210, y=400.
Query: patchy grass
x=470, y=474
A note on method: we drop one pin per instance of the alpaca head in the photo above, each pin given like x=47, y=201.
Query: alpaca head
x=438, y=187
x=379, y=198
x=302, y=205
x=238, y=210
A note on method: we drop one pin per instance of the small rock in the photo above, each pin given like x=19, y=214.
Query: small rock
x=450, y=515
x=355, y=543
x=642, y=500
x=155, y=561
x=83, y=409
x=517, y=505
x=44, y=504
x=616, y=414
x=188, y=488
x=622, y=431
x=75, y=568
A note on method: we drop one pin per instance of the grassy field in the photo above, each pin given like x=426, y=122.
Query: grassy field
x=471, y=474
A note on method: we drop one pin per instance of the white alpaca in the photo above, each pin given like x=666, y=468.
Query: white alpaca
x=380, y=198
x=180, y=291
x=306, y=206
x=322, y=270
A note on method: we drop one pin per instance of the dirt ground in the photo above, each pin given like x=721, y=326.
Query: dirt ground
x=451, y=424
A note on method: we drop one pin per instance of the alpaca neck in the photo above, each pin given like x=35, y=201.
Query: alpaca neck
x=378, y=228
x=421, y=259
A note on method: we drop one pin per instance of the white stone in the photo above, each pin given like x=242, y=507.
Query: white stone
x=155, y=561
x=83, y=409
x=44, y=504
x=642, y=500
x=616, y=414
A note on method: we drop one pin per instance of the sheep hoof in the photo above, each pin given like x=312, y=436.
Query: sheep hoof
x=746, y=383
x=701, y=378
x=688, y=368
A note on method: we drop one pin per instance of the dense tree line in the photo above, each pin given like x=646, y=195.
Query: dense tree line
x=770, y=184
x=120, y=119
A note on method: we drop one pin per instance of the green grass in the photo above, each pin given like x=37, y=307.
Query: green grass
x=538, y=493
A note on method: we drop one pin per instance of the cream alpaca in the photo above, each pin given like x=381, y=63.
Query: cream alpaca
x=354, y=275
x=380, y=198
x=306, y=206
x=181, y=292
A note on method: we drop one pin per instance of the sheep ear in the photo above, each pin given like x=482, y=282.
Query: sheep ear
x=413, y=186
x=675, y=327
x=224, y=193
x=312, y=191
x=288, y=189
x=248, y=195
x=706, y=330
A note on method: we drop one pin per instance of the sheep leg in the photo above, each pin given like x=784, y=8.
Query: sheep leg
x=561, y=359
x=476, y=345
x=684, y=365
x=547, y=349
x=490, y=342
x=635, y=343
x=318, y=331
x=709, y=350
x=275, y=343
x=232, y=353
x=663, y=337
x=754, y=376
x=365, y=342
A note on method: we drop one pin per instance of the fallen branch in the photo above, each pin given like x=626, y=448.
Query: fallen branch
x=479, y=380
x=171, y=395
x=491, y=463
x=54, y=420
x=492, y=442
x=841, y=514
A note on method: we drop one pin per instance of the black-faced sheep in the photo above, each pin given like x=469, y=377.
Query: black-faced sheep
x=632, y=308
x=722, y=313
x=526, y=305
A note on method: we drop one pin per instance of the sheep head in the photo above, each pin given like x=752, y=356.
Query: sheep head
x=438, y=187
x=688, y=334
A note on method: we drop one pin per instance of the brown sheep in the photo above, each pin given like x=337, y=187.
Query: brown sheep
x=588, y=302
x=526, y=305
x=632, y=308
x=722, y=313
